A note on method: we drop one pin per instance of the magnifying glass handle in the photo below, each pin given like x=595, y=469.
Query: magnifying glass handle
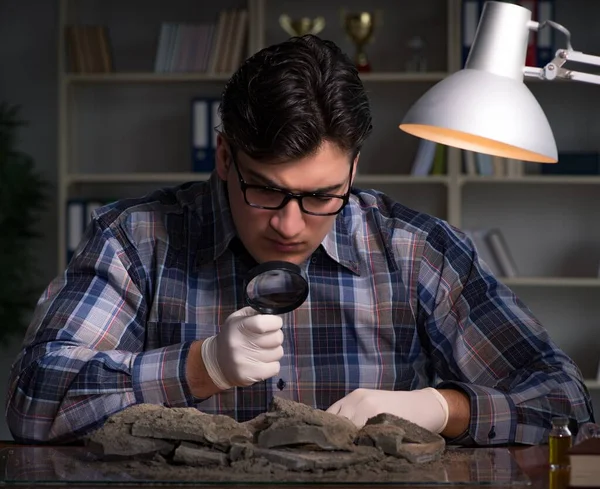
x=267, y=397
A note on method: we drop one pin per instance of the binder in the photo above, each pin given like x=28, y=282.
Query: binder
x=205, y=118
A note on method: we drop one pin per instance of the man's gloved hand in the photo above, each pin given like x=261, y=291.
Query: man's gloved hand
x=425, y=407
x=246, y=350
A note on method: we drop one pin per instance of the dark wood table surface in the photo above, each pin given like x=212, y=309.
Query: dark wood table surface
x=532, y=460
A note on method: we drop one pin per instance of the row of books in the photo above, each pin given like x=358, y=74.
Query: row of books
x=214, y=47
x=430, y=159
x=88, y=49
x=475, y=163
x=492, y=248
x=541, y=46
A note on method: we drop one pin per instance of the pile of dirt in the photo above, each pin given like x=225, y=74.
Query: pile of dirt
x=290, y=442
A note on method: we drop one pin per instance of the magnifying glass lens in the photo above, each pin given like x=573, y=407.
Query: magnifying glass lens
x=276, y=287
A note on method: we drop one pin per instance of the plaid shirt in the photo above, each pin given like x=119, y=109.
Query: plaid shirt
x=398, y=300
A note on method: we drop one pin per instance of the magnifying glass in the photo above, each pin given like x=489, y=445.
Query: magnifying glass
x=275, y=287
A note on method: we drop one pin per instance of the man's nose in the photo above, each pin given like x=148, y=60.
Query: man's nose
x=289, y=221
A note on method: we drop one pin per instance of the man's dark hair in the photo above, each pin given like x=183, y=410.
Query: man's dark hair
x=285, y=100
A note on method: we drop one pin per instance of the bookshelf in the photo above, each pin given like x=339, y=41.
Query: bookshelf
x=126, y=132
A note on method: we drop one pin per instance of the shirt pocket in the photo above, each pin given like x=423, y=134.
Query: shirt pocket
x=161, y=334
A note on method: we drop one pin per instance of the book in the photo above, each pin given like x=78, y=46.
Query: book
x=423, y=161
x=585, y=463
x=88, y=49
x=204, y=120
x=484, y=252
x=499, y=247
x=469, y=161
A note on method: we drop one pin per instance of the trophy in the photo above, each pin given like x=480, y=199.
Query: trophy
x=359, y=27
x=301, y=26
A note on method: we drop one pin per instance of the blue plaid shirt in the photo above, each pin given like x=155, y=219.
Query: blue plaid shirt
x=398, y=300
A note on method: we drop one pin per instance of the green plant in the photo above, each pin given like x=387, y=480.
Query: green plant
x=22, y=196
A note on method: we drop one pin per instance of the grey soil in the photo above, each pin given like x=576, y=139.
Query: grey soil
x=291, y=442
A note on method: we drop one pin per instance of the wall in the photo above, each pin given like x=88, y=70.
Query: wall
x=28, y=57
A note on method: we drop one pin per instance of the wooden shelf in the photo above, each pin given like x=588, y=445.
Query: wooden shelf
x=552, y=281
x=592, y=384
x=362, y=179
x=139, y=177
x=533, y=179
x=403, y=76
x=151, y=77
x=141, y=77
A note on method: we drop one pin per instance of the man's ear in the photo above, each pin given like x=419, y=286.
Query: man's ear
x=222, y=157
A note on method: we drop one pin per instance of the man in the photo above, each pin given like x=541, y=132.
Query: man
x=402, y=317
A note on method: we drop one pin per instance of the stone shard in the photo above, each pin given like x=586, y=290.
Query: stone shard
x=420, y=453
x=258, y=423
x=198, y=456
x=386, y=437
x=241, y=451
x=286, y=417
x=281, y=434
x=317, y=460
x=418, y=444
x=284, y=408
x=413, y=433
x=114, y=439
x=189, y=424
x=132, y=413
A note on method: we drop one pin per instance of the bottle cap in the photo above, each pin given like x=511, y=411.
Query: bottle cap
x=560, y=421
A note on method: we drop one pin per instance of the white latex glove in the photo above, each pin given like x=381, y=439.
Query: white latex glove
x=246, y=350
x=425, y=407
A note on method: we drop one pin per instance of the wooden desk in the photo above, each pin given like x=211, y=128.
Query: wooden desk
x=531, y=460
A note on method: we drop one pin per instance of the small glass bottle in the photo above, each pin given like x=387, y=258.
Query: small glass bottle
x=559, y=442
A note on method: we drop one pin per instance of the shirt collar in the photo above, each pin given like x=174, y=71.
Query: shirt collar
x=339, y=243
x=216, y=222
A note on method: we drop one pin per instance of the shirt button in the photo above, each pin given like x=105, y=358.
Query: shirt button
x=281, y=384
x=492, y=433
x=313, y=259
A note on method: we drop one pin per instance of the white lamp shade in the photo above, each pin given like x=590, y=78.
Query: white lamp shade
x=486, y=113
x=486, y=107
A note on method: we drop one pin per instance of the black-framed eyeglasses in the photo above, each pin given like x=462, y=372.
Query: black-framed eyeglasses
x=273, y=198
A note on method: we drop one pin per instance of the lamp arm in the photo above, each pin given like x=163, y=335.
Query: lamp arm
x=554, y=69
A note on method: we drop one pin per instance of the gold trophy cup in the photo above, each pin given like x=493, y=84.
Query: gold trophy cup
x=301, y=26
x=359, y=27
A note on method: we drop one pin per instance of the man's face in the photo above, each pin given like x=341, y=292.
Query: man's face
x=285, y=234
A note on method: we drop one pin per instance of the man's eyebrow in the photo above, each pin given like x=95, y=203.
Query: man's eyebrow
x=262, y=180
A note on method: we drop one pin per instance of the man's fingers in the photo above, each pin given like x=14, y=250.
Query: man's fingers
x=244, y=312
x=266, y=371
x=268, y=340
x=262, y=323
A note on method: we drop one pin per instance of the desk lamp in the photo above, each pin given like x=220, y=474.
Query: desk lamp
x=486, y=107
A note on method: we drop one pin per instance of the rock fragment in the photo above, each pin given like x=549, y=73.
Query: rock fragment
x=189, y=424
x=418, y=445
x=387, y=437
x=198, y=456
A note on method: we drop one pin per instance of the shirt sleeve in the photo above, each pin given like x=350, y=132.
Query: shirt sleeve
x=484, y=341
x=83, y=356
